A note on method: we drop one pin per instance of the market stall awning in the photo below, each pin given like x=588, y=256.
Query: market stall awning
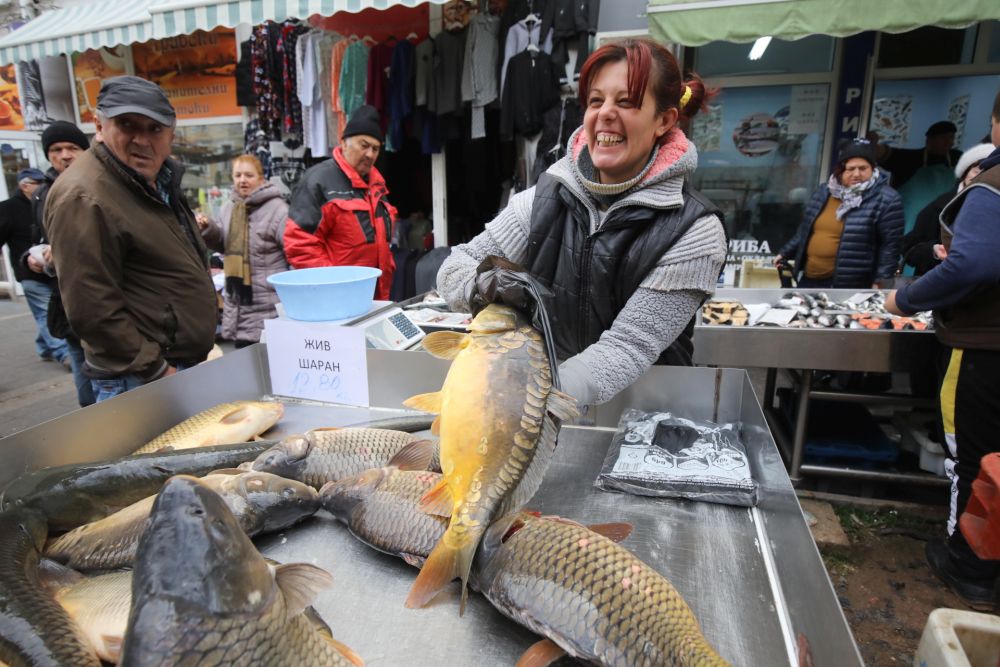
x=696, y=22
x=182, y=17
x=78, y=28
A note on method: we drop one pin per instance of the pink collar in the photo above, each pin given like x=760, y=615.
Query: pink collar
x=669, y=153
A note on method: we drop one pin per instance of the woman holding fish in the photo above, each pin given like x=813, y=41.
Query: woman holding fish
x=249, y=231
x=628, y=249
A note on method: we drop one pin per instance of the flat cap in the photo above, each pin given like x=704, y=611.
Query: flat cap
x=130, y=94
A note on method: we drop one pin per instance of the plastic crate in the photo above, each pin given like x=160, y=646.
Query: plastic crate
x=841, y=433
x=959, y=638
x=914, y=438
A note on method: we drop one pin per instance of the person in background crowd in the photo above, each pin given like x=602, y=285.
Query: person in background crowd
x=850, y=233
x=922, y=247
x=613, y=229
x=339, y=215
x=17, y=232
x=62, y=142
x=132, y=266
x=964, y=293
x=249, y=232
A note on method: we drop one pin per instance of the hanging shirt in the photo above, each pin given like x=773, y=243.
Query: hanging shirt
x=292, y=118
x=423, y=68
x=336, y=68
x=400, y=92
x=323, y=45
x=353, y=77
x=449, y=56
x=518, y=38
x=377, y=90
x=479, y=72
x=313, y=112
x=531, y=89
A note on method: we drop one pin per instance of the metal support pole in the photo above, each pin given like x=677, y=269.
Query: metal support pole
x=801, y=420
x=769, y=384
x=874, y=475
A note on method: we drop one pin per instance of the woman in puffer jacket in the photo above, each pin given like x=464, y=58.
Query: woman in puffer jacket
x=249, y=233
x=851, y=232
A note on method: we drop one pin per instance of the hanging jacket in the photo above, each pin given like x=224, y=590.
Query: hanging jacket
x=336, y=218
x=266, y=216
x=869, y=245
x=530, y=89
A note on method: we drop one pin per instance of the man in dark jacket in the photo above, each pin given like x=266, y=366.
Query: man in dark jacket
x=133, y=268
x=964, y=292
x=16, y=231
x=62, y=142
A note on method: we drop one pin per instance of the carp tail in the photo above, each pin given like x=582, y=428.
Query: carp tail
x=444, y=564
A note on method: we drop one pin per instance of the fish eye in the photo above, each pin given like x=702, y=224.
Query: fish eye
x=288, y=492
x=196, y=511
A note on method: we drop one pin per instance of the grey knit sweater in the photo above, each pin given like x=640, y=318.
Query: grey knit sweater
x=666, y=299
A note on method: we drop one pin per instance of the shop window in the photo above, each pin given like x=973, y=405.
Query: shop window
x=902, y=110
x=760, y=153
x=993, y=54
x=928, y=46
x=207, y=151
x=809, y=54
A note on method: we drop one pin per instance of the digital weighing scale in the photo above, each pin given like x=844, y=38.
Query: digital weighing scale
x=386, y=326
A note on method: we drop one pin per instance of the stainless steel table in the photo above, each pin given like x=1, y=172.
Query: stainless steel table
x=753, y=577
x=806, y=351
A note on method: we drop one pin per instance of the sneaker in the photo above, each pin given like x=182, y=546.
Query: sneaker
x=976, y=593
x=67, y=364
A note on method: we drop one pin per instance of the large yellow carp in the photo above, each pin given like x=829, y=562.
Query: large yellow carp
x=498, y=420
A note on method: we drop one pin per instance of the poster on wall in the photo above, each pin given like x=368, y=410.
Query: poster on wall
x=807, y=110
x=29, y=85
x=706, y=129
x=11, y=116
x=891, y=119
x=756, y=135
x=196, y=71
x=958, y=112
x=90, y=68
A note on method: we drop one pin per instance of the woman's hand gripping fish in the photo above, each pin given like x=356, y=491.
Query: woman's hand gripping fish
x=498, y=420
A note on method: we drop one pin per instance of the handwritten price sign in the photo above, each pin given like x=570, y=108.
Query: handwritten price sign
x=317, y=361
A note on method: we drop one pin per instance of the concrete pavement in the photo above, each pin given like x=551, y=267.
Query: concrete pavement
x=32, y=391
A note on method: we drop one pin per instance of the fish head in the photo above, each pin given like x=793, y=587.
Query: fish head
x=494, y=318
x=262, y=414
x=193, y=552
x=287, y=458
x=274, y=502
x=341, y=497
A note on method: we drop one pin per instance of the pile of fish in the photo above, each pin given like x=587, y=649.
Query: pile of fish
x=817, y=311
x=148, y=559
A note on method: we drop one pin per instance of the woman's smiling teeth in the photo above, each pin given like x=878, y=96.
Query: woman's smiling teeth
x=605, y=139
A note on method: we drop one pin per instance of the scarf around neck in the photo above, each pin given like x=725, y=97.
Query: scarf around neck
x=849, y=195
x=236, y=261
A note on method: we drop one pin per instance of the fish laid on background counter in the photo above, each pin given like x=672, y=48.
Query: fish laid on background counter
x=202, y=594
x=381, y=507
x=260, y=501
x=99, y=604
x=590, y=596
x=238, y=421
x=72, y=495
x=498, y=421
x=34, y=630
x=328, y=454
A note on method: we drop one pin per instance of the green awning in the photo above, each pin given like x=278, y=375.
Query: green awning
x=696, y=22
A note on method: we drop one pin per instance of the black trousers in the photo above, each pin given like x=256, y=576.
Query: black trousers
x=970, y=413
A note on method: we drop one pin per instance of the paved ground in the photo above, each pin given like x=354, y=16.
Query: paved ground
x=31, y=390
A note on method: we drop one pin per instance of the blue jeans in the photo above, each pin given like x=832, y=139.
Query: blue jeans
x=105, y=389
x=84, y=390
x=46, y=345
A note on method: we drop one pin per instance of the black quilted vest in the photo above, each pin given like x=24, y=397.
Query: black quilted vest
x=592, y=276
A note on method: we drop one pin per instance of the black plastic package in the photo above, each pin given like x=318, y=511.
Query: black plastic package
x=659, y=454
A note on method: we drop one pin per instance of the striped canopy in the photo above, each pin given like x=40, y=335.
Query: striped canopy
x=78, y=28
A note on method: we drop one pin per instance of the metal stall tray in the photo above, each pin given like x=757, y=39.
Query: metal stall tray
x=753, y=577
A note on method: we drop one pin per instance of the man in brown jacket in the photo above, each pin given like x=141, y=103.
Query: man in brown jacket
x=132, y=266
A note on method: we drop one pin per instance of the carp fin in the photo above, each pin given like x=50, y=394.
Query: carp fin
x=346, y=651
x=414, y=560
x=317, y=621
x=54, y=577
x=616, y=532
x=438, y=500
x=112, y=647
x=562, y=406
x=441, y=567
x=541, y=654
x=430, y=402
x=436, y=426
x=235, y=416
x=321, y=429
x=299, y=583
x=415, y=456
x=445, y=344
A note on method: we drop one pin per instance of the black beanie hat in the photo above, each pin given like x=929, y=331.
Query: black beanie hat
x=364, y=120
x=861, y=148
x=941, y=127
x=61, y=130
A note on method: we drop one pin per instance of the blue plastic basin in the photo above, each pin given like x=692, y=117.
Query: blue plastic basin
x=327, y=292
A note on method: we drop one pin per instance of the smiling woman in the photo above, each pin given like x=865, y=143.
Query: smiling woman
x=613, y=229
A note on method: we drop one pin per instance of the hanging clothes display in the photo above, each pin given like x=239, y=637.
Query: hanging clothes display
x=531, y=88
x=479, y=71
x=257, y=143
x=353, y=77
x=244, y=76
x=292, y=116
x=449, y=56
x=336, y=106
x=401, y=92
x=323, y=44
x=558, y=124
x=377, y=86
x=267, y=79
x=309, y=96
x=524, y=33
x=569, y=24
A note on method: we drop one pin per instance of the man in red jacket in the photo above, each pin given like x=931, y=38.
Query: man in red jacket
x=339, y=215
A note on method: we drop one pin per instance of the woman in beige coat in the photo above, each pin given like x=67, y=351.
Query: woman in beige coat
x=249, y=233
